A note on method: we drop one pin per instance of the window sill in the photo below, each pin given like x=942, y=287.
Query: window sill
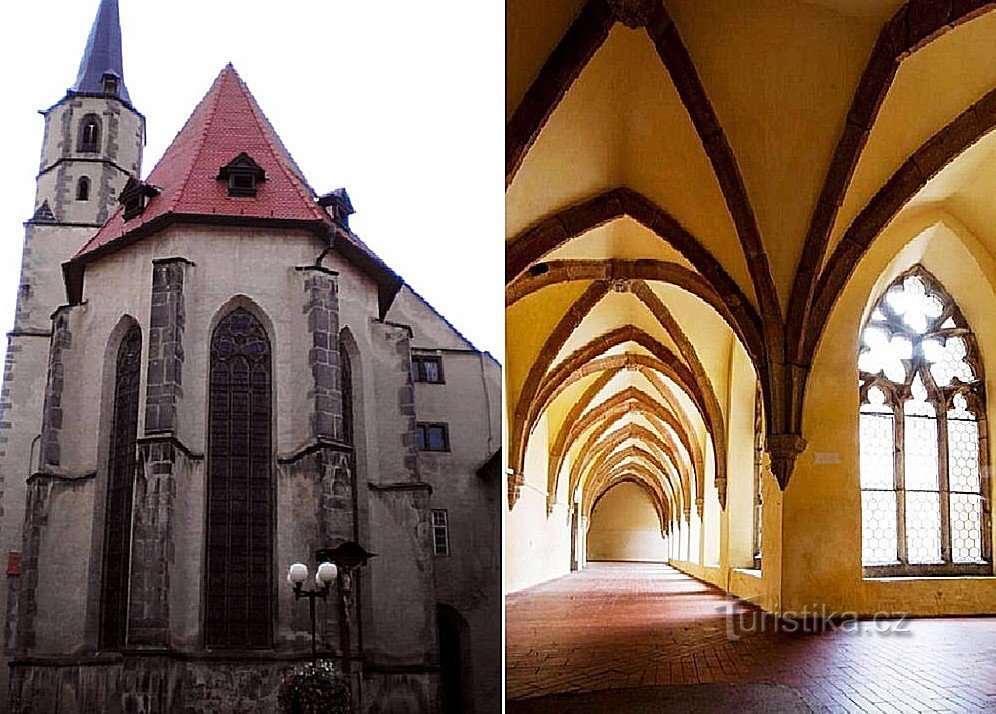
x=924, y=578
x=750, y=572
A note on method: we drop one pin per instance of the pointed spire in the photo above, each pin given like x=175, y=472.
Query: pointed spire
x=102, y=68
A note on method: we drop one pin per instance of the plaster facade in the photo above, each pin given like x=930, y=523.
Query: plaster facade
x=340, y=470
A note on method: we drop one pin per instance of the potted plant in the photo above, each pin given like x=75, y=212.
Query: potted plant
x=314, y=688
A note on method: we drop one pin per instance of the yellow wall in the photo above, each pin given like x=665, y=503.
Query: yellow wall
x=821, y=538
x=625, y=526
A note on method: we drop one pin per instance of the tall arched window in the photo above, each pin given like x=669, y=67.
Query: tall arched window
x=924, y=469
x=83, y=189
x=120, y=476
x=89, y=140
x=240, y=489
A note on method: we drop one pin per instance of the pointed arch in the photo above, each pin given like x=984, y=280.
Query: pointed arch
x=125, y=363
x=563, y=271
x=579, y=44
x=575, y=50
x=924, y=468
x=912, y=27
x=615, y=406
x=601, y=447
x=660, y=503
x=926, y=162
x=240, y=489
x=667, y=363
x=606, y=413
x=610, y=461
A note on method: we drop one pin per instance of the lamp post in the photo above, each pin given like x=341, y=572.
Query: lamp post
x=326, y=575
x=349, y=556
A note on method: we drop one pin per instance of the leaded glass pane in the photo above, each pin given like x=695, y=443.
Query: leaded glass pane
x=963, y=449
x=879, y=544
x=966, y=528
x=949, y=361
x=239, y=499
x=917, y=307
x=877, y=451
x=923, y=527
x=921, y=443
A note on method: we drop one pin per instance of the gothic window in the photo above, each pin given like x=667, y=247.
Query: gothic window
x=89, y=141
x=240, y=489
x=120, y=476
x=758, y=474
x=83, y=189
x=923, y=462
x=432, y=437
x=427, y=368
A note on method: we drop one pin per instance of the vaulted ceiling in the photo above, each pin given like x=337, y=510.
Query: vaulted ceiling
x=688, y=179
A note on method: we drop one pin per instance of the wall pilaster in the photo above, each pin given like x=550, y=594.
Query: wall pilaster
x=160, y=460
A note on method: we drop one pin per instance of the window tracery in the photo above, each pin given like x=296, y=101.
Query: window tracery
x=924, y=482
x=240, y=498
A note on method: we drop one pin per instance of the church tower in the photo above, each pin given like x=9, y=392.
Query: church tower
x=92, y=143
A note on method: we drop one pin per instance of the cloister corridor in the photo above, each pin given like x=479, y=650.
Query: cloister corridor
x=662, y=637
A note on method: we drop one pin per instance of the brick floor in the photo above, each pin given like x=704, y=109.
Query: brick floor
x=621, y=625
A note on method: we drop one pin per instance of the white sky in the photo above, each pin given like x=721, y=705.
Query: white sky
x=400, y=102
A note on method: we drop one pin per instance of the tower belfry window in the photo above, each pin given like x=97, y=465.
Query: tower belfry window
x=243, y=175
x=89, y=140
x=83, y=189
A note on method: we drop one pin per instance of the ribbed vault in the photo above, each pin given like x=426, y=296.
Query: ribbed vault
x=727, y=184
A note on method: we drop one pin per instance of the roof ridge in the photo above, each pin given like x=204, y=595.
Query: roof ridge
x=214, y=96
x=269, y=134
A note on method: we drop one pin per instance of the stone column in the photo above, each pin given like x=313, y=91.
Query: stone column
x=160, y=455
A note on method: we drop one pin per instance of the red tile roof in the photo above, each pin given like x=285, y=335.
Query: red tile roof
x=227, y=122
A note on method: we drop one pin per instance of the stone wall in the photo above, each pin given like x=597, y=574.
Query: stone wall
x=164, y=383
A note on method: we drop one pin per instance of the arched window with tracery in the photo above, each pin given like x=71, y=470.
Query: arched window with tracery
x=240, y=489
x=923, y=457
x=120, y=477
x=89, y=139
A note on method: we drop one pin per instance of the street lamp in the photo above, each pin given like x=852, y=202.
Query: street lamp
x=297, y=574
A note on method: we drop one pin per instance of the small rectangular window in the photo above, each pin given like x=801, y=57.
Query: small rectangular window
x=432, y=437
x=428, y=369
x=440, y=533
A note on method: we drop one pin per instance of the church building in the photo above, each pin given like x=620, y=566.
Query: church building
x=211, y=378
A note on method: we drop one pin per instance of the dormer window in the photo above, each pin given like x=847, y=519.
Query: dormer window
x=110, y=82
x=89, y=139
x=134, y=197
x=338, y=205
x=243, y=176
